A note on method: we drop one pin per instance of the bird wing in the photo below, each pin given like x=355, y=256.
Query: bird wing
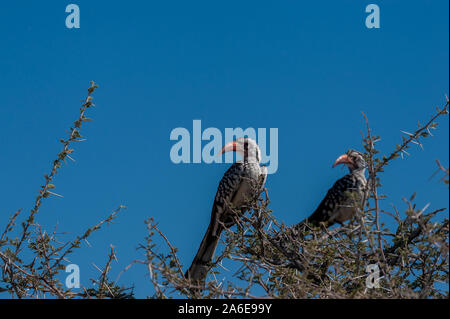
x=235, y=189
x=228, y=188
x=336, y=197
x=262, y=178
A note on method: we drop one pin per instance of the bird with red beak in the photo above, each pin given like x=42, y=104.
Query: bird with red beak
x=354, y=160
x=343, y=200
x=238, y=189
x=246, y=147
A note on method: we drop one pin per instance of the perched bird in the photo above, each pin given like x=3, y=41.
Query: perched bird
x=345, y=197
x=241, y=185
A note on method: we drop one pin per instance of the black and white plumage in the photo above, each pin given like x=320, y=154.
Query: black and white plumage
x=344, y=199
x=240, y=186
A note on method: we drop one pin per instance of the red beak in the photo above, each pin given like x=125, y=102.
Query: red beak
x=343, y=159
x=230, y=147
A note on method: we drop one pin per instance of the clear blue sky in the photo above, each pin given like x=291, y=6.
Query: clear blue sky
x=306, y=68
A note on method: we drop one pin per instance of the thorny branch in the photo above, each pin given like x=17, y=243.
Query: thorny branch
x=37, y=278
x=325, y=263
x=319, y=263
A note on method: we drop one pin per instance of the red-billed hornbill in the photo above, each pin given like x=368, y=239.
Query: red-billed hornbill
x=241, y=186
x=344, y=199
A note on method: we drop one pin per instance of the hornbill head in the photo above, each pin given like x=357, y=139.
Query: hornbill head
x=246, y=147
x=353, y=159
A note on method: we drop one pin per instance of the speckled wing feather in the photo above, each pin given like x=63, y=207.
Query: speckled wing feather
x=238, y=186
x=340, y=202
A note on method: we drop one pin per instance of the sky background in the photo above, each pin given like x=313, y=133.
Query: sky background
x=306, y=68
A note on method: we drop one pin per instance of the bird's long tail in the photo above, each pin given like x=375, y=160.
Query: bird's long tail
x=295, y=231
x=202, y=260
x=298, y=231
